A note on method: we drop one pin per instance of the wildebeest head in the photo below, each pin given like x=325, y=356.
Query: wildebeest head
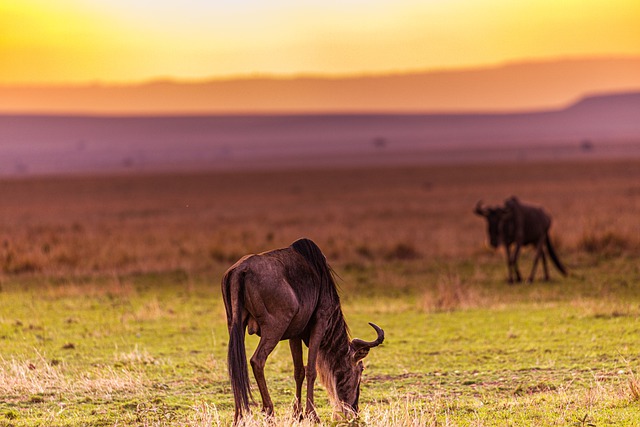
x=495, y=221
x=347, y=382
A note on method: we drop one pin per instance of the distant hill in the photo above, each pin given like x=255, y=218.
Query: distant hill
x=595, y=127
x=618, y=106
x=523, y=86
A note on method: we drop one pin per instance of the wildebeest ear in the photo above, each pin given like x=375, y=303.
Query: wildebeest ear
x=506, y=212
x=480, y=209
x=361, y=348
x=360, y=354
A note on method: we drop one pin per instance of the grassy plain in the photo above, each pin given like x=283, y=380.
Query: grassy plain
x=110, y=309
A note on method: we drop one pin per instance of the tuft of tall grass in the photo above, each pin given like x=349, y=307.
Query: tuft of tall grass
x=136, y=357
x=221, y=255
x=608, y=243
x=403, y=252
x=405, y=412
x=29, y=376
x=20, y=262
x=634, y=387
x=37, y=376
x=449, y=294
x=204, y=415
x=115, y=287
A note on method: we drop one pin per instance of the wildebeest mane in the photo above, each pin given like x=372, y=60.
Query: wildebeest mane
x=316, y=259
x=332, y=351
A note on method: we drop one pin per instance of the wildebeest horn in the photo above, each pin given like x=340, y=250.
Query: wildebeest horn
x=359, y=344
x=480, y=209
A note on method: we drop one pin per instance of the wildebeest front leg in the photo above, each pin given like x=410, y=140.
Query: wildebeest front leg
x=312, y=357
x=508, y=251
x=295, y=344
x=514, y=263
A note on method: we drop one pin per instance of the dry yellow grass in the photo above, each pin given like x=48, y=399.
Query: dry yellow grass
x=193, y=223
x=24, y=376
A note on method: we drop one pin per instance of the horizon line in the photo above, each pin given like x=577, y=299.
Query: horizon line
x=317, y=113
x=314, y=75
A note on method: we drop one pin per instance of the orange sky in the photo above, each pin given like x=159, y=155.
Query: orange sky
x=79, y=41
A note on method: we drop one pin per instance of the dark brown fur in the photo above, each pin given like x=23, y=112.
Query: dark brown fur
x=520, y=224
x=290, y=294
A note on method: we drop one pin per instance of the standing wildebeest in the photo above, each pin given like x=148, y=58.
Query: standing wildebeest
x=523, y=225
x=290, y=294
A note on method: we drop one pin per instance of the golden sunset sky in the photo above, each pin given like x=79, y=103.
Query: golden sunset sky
x=81, y=41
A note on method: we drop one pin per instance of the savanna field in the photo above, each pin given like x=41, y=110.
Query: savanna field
x=111, y=312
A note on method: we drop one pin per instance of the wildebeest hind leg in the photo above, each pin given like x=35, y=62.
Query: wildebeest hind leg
x=537, y=256
x=544, y=264
x=258, y=360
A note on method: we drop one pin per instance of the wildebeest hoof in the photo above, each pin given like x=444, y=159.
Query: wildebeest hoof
x=313, y=417
x=297, y=412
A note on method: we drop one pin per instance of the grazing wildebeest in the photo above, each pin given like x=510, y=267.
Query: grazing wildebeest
x=522, y=224
x=290, y=293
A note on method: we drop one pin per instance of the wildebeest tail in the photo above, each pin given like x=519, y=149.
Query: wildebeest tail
x=233, y=285
x=554, y=257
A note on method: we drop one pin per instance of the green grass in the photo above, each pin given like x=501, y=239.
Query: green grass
x=463, y=348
